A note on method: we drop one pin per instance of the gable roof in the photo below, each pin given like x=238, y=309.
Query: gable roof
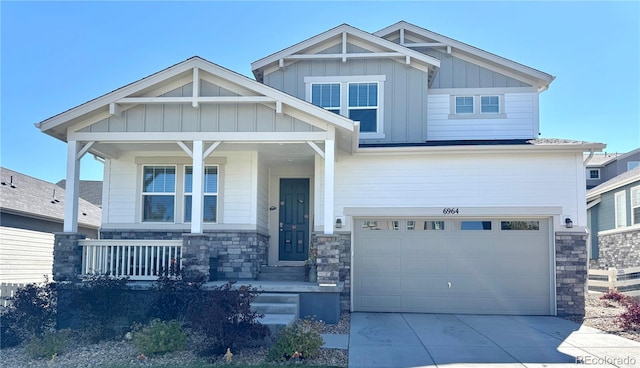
x=27, y=196
x=470, y=53
x=626, y=178
x=344, y=31
x=178, y=75
x=601, y=159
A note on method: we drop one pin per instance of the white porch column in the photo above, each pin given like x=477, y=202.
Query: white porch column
x=329, y=171
x=71, y=191
x=197, y=190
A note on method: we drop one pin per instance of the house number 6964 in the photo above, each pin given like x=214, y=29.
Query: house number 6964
x=450, y=211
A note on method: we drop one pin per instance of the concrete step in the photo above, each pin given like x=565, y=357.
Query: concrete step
x=275, y=308
x=280, y=277
x=277, y=298
x=277, y=322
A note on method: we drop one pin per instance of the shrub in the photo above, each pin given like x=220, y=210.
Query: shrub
x=631, y=317
x=223, y=316
x=302, y=336
x=49, y=344
x=173, y=298
x=32, y=312
x=616, y=296
x=160, y=337
x=102, y=305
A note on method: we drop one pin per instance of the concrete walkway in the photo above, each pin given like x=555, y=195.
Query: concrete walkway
x=423, y=340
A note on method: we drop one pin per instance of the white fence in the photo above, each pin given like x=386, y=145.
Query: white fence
x=8, y=290
x=135, y=259
x=625, y=280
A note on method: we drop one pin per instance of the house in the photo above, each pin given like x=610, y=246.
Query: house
x=407, y=161
x=31, y=212
x=602, y=167
x=613, y=215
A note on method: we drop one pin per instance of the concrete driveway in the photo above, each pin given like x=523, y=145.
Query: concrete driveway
x=442, y=340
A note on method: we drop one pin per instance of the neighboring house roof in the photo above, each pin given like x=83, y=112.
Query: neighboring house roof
x=621, y=180
x=180, y=74
x=90, y=190
x=316, y=44
x=630, y=153
x=24, y=195
x=601, y=159
x=467, y=52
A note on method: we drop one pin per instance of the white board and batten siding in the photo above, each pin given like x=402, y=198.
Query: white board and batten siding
x=239, y=179
x=25, y=255
x=520, y=119
x=505, y=180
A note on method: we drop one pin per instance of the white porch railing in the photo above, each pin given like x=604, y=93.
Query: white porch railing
x=625, y=280
x=135, y=259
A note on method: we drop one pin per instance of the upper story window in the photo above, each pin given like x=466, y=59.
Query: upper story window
x=620, y=209
x=357, y=97
x=477, y=107
x=635, y=205
x=158, y=193
x=593, y=174
x=464, y=105
x=210, y=189
x=632, y=164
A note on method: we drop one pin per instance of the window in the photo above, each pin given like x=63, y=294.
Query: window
x=520, y=225
x=363, y=105
x=635, y=205
x=475, y=225
x=424, y=225
x=380, y=225
x=593, y=174
x=357, y=97
x=464, y=105
x=620, y=209
x=210, y=189
x=489, y=104
x=327, y=96
x=632, y=165
x=158, y=193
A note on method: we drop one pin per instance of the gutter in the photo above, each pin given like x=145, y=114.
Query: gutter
x=586, y=160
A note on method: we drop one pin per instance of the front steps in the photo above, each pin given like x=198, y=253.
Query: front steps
x=281, y=273
x=279, y=309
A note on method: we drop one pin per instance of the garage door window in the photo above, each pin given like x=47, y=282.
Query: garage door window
x=475, y=225
x=380, y=225
x=424, y=225
x=520, y=225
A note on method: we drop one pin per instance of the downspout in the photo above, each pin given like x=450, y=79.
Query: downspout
x=586, y=160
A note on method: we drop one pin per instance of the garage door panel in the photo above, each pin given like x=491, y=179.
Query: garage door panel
x=494, y=271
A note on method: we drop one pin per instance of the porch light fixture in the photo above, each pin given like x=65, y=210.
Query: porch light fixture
x=338, y=223
x=568, y=223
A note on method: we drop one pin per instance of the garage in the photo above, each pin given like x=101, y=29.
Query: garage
x=471, y=266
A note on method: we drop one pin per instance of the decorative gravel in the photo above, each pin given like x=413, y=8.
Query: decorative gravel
x=122, y=353
x=602, y=314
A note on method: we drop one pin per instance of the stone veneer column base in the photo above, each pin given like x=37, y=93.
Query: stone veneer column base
x=195, y=256
x=571, y=271
x=328, y=248
x=67, y=256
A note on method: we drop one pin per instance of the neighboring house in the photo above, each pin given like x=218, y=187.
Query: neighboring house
x=602, y=167
x=90, y=190
x=408, y=161
x=31, y=211
x=613, y=213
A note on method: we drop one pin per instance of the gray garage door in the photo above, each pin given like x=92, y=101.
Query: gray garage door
x=483, y=266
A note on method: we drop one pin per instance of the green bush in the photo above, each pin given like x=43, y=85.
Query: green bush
x=160, y=337
x=302, y=336
x=32, y=312
x=47, y=345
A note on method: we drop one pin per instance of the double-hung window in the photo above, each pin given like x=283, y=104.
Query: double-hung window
x=357, y=97
x=477, y=107
x=635, y=205
x=489, y=105
x=158, y=193
x=464, y=105
x=620, y=209
x=210, y=189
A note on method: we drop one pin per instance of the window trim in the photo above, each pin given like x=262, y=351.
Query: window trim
x=477, y=107
x=635, y=194
x=344, y=82
x=620, y=222
x=589, y=174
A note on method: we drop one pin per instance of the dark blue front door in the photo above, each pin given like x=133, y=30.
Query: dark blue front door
x=294, y=219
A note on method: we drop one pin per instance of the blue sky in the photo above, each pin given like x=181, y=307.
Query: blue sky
x=57, y=55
